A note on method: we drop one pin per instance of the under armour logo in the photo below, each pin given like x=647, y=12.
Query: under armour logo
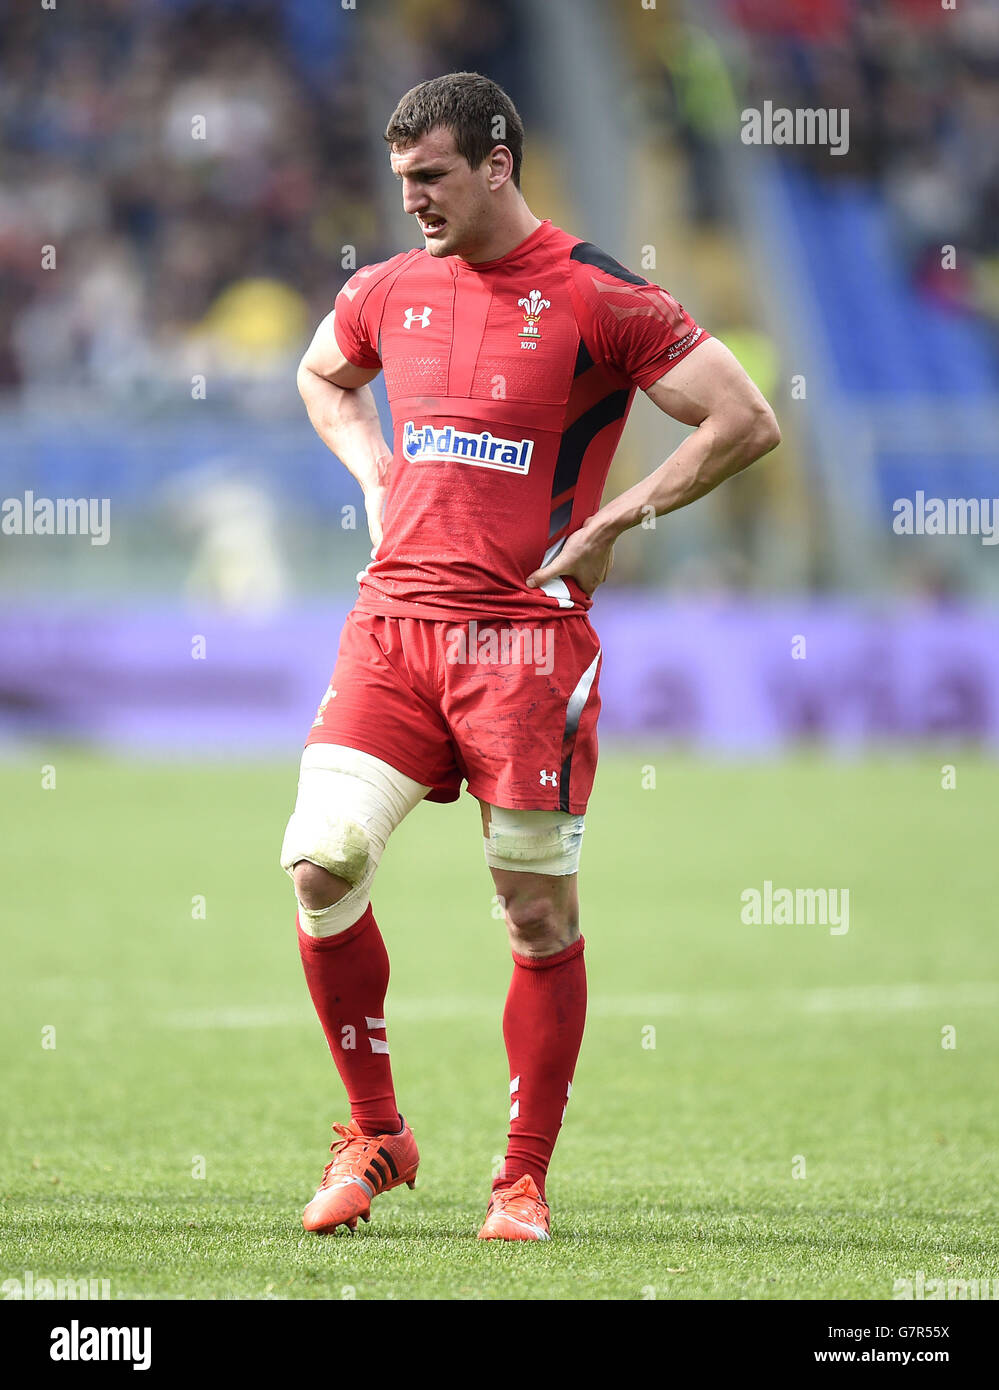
x=548, y=779
x=422, y=318
x=515, y=1098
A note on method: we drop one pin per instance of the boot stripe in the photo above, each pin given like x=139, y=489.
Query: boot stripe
x=384, y=1153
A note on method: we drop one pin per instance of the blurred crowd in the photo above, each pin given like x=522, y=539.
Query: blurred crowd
x=191, y=194
x=921, y=83
x=180, y=181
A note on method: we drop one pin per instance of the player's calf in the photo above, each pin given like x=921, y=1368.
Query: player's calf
x=348, y=804
x=534, y=856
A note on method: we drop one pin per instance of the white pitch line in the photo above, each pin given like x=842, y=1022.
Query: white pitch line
x=834, y=999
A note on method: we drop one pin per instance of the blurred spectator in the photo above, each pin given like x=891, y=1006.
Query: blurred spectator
x=230, y=523
x=922, y=86
x=196, y=169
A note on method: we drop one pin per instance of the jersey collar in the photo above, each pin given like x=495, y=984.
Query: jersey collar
x=523, y=248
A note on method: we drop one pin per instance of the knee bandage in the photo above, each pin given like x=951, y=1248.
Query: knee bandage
x=534, y=842
x=348, y=805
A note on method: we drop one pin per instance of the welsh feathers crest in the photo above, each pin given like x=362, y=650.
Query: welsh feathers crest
x=533, y=303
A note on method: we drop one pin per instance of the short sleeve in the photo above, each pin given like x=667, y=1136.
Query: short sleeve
x=640, y=328
x=355, y=336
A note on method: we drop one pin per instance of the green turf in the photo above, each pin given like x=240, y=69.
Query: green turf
x=178, y=1038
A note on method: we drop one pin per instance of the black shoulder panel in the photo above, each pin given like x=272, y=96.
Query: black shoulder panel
x=592, y=255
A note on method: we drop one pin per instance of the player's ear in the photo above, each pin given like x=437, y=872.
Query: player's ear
x=500, y=166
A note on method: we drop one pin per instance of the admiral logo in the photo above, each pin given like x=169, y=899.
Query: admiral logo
x=485, y=450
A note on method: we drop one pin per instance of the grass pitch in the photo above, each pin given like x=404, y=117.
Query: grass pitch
x=762, y=1112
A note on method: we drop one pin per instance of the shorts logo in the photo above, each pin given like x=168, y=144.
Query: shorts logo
x=422, y=318
x=449, y=445
x=330, y=695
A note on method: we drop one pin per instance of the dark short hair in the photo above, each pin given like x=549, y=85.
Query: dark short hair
x=467, y=104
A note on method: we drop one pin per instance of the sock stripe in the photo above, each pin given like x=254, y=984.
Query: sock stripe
x=542, y=1029
x=347, y=976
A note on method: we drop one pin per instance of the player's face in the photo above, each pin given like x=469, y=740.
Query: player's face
x=449, y=199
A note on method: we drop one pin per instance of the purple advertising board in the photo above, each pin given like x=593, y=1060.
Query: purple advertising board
x=732, y=676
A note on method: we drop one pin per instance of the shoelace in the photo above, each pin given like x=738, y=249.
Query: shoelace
x=537, y=1211
x=339, y=1148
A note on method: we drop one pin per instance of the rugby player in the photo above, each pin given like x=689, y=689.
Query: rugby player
x=512, y=351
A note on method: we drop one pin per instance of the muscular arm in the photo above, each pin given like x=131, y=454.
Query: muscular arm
x=343, y=412
x=735, y=426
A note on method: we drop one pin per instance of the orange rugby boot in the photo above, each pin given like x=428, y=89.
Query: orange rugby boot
x=517, y=1213
x=363, y=1166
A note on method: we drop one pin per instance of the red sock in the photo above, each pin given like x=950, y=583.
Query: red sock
x=348, y=976
x=542, y=1028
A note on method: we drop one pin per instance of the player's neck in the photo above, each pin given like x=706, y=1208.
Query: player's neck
x=506, y=234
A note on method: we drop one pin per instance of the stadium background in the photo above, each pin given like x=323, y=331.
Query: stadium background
x=798, y=677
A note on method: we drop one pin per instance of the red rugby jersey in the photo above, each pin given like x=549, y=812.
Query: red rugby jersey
x=509, y=382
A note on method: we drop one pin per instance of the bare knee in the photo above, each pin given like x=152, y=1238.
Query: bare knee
x=317, y=888
x=539, y=925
